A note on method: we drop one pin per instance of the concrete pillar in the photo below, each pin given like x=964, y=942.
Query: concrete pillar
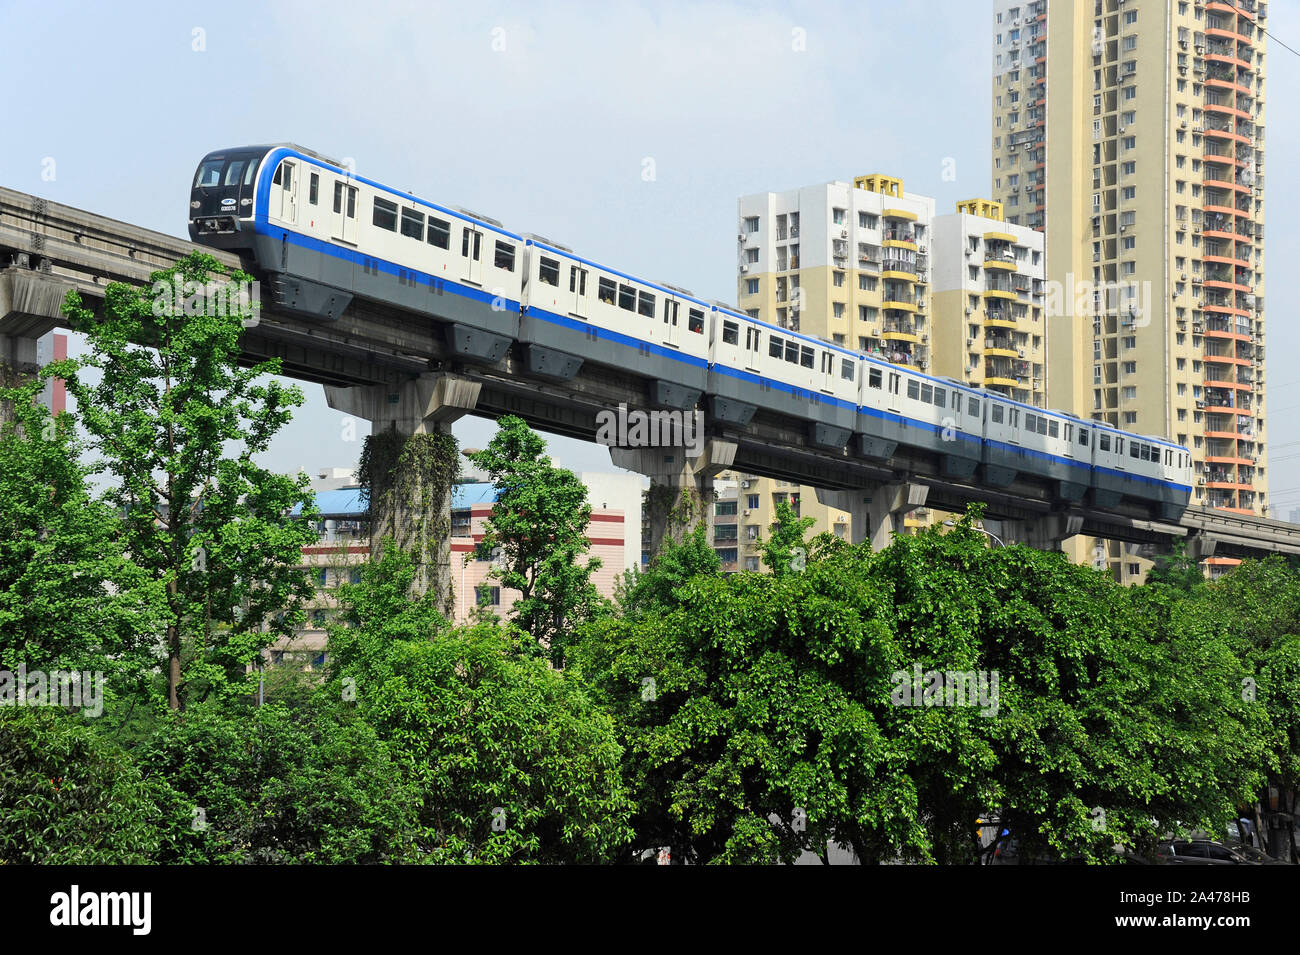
x=30, y=302
x=681, y=488
x=1047, y=532
x=1200, y=546
x=876, y=513
x=425, y=405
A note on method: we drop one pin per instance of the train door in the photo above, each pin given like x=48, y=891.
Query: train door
x=578, y=286
x=828, y=372
x=343, y=221
x=283, y=191
x=753, y=346
x=471, y=251
x=670, y=320
x=892, y=399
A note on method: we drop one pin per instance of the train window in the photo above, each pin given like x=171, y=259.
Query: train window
x=1069, y=432
x=775, y=347
x=548, y=271
x=792, y=352
x=439, y=232
x=385, y=214
x=828, y=363
x=695, y=321
x=1119, y=445
x=997, y=412
x=1169, y=458
x=1103, y=442
x=645, y=304
x=913, y=388
x=873, y=378
x=927, y=392
x=847, y=372
x=606, y=291
x=505, y=256
x=893, y=383
x=338, y=197
x=1083, y=437
x=232, y=172
x=1042, y=425
x=313, y=191
x=577, y=280
x=627, y=297
x=413, y=224
x=1014, y=418
x=752, y=337
x=670, y=312
x=806, y=356
x=941, y=397
x=730, y=333
x=1029, y=422
x=209, y=174
x=973, y=407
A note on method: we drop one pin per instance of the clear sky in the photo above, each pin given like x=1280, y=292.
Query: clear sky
x=624, y=130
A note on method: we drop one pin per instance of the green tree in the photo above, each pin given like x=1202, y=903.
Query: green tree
x=676, y=564
x=70, y=599
x=69, y=797
x=785, y=551
x=177, y=424
x=1176, y=570
x=266, y=784
x=509, y=759
x=539, y=523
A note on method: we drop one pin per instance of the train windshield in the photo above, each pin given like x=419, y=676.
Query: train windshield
x=226, y=171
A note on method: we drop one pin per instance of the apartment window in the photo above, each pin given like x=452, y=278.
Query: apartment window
x=1130, y=142
x=837, y=216
x=866, y=220
x=839, y=279
x=751, y=223
x=867, y=313
x=490, y=596
x=1182, y=389
x=1130, y=92
x=1130, y=368
x=866, y=283
x=838, y=309
x=1130, y=341
x=751, y=286
x=1182, y=362
x=1130, y=44
x=751, y=256
x=751, y=501
x=1130, y=417
x=1128, y=243
x=1130, y=17
x=1130, y=392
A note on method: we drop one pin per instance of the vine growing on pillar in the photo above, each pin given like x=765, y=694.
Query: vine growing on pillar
x=406, y=484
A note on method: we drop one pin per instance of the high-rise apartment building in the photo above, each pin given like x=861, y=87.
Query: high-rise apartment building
x=988, y=298
x=1132, y=133
x=846, y=262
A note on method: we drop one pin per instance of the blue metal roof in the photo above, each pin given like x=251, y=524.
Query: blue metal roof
x=345, y=502
x=467, y=495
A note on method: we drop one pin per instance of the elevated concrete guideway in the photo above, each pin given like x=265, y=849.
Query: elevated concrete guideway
x=394, y=368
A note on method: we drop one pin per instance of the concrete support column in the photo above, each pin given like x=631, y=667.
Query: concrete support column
x=28, y=299
x=876, y=513
x=1200, y=546
x=1047, y=532
x=681, y=488
x=425, y=405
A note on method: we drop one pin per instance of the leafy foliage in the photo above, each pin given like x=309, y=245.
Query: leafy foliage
x=200, y=519
x=539, y=523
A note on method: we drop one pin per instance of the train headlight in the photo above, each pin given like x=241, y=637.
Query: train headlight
x=245, y=202
x=194, y=204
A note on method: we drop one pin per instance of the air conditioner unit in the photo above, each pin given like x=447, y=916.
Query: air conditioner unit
x=1123, y=228
x=970, y=343
x=922, y=250
x=744, y=267
x=748, y=511
x=844, y=233
x=969, y=310
x=794, y=232
x=1020, y=352
x=746, y=483
x=741, y=237
x=925, y=338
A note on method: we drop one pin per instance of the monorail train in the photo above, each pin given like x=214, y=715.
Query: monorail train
x=320, y=236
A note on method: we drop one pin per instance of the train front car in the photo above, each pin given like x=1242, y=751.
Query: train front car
x=222, y=198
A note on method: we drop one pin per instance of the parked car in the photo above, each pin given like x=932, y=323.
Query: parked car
x=1203, y=852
